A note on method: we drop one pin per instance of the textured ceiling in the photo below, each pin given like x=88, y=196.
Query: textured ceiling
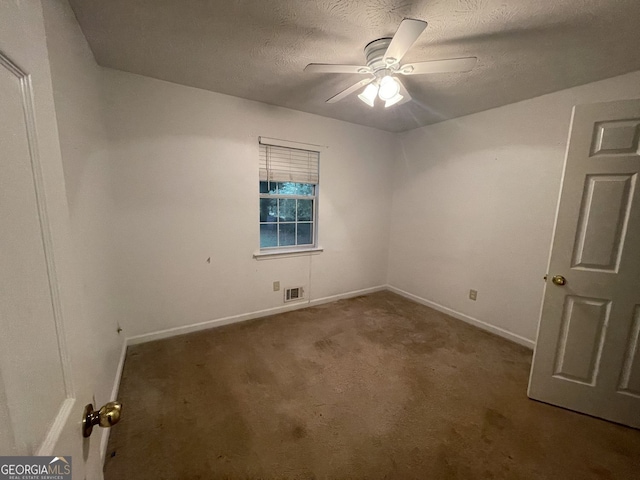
x=257, y=49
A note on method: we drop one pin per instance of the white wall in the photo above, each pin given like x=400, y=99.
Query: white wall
x=474, y=203
x=185, y=176
x=77, y=94
x=76, y=81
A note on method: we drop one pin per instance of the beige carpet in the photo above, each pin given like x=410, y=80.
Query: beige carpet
x=368, y=388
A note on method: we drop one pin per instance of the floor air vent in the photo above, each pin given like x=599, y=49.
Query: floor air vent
x=291, y=294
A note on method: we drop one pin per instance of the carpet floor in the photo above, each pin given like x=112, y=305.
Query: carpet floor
x=374, y=387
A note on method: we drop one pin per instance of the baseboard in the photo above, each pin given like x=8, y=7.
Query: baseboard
x=104, y=440
x=218, y=322
x=342, y=296
x=466, y=318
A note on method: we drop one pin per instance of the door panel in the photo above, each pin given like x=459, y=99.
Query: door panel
x=586, y=355
x=616, y=138
x=604, y=216
x=30, y=359
x=584, y=325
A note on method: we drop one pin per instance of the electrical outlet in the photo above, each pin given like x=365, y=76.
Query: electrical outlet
x=276, y=286
x=473, y=294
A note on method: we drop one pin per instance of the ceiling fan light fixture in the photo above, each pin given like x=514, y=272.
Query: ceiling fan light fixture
x=393, y=101
x=368, y=96
x=384, y=67
x=389, y=88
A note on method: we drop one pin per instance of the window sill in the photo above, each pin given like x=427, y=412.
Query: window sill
x=266, y=255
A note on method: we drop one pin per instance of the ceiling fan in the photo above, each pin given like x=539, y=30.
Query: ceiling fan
x=383, y=67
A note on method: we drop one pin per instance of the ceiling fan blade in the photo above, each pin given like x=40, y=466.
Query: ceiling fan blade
x=350, y=90
x=407, y=34
x=439, y=66
x=328, y=68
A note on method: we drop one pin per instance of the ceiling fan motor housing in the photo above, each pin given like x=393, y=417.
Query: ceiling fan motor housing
x=374, y=53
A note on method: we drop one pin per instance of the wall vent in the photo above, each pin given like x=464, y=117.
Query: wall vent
x=292, y=294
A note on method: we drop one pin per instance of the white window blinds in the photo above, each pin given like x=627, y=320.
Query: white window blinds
x=283, y=164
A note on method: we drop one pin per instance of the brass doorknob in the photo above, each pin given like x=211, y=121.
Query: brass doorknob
x=106, y=417
x=559, y=280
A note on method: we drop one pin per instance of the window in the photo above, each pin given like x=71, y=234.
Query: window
x=288, y=197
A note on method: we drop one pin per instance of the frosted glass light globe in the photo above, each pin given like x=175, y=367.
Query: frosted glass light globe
x=389, y=88
x=369, y=94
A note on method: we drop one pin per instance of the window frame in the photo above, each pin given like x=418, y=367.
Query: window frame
x=267, y=253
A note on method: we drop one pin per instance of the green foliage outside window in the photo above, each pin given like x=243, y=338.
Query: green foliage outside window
x=285, y=218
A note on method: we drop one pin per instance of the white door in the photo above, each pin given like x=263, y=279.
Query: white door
x=587, y=355
x=40, y=411
x=31, y=364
